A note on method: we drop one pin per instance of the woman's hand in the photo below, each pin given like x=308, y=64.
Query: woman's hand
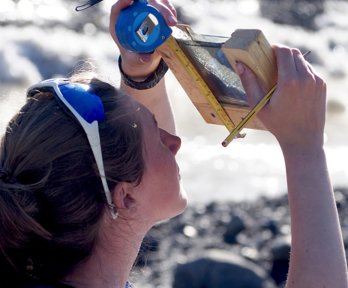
x=139, y=66
x=296, y=116
x=296, y=112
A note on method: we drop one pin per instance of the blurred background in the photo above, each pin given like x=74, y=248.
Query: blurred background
x=230, y=189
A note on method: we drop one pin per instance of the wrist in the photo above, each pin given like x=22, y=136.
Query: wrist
x=303, y=154
x=143, y=82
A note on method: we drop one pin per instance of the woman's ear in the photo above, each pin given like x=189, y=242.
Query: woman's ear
x=122, y=196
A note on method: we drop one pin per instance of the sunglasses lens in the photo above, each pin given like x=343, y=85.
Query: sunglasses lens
x=87, y=104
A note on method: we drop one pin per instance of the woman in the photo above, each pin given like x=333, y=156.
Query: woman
x=75, y=209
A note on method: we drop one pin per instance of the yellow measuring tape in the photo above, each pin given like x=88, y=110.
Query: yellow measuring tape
x=252, y=113
x=201, y=84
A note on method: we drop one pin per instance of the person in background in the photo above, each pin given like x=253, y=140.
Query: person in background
x=87, y=169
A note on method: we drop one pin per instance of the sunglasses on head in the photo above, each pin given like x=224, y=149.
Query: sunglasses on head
x=88, y=110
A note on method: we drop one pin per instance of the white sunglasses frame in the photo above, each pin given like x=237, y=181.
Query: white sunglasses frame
x=91, y=131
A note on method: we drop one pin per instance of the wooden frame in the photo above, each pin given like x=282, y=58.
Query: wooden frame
x=247, y=46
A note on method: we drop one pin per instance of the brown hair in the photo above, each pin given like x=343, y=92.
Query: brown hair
x=52, y=199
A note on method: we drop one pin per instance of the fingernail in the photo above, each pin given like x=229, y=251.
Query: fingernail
x=240, y=68
x=172, y=20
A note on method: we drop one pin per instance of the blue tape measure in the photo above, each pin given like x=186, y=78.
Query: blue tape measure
x=141, y=27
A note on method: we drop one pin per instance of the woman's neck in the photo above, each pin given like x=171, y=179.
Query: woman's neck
x=111, y=261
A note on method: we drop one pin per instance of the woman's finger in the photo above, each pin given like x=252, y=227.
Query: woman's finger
x=250, y=83
x=167, y=10
x=170, y=6
x=302, y=66
x=286, y=64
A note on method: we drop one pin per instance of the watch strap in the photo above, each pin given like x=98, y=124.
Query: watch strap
x=150, y=82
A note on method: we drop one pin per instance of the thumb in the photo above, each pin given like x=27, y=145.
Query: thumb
x=250, y=83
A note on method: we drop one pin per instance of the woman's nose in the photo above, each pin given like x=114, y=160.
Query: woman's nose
x=173, y=142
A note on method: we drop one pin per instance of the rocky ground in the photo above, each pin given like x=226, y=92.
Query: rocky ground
x=244, y=245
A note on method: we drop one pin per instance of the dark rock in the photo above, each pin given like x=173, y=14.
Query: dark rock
x=184, y=16
x=233, y=228
x=149, y=246
x=219, y=269
x=279, y=271
x=293, y=12
x=280, y=254
x=280, y=249
x=271, y=225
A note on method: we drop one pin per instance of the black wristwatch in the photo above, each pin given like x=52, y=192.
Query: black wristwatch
x=150, y=82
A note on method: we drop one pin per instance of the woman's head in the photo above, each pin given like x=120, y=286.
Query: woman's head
x=51, y=195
